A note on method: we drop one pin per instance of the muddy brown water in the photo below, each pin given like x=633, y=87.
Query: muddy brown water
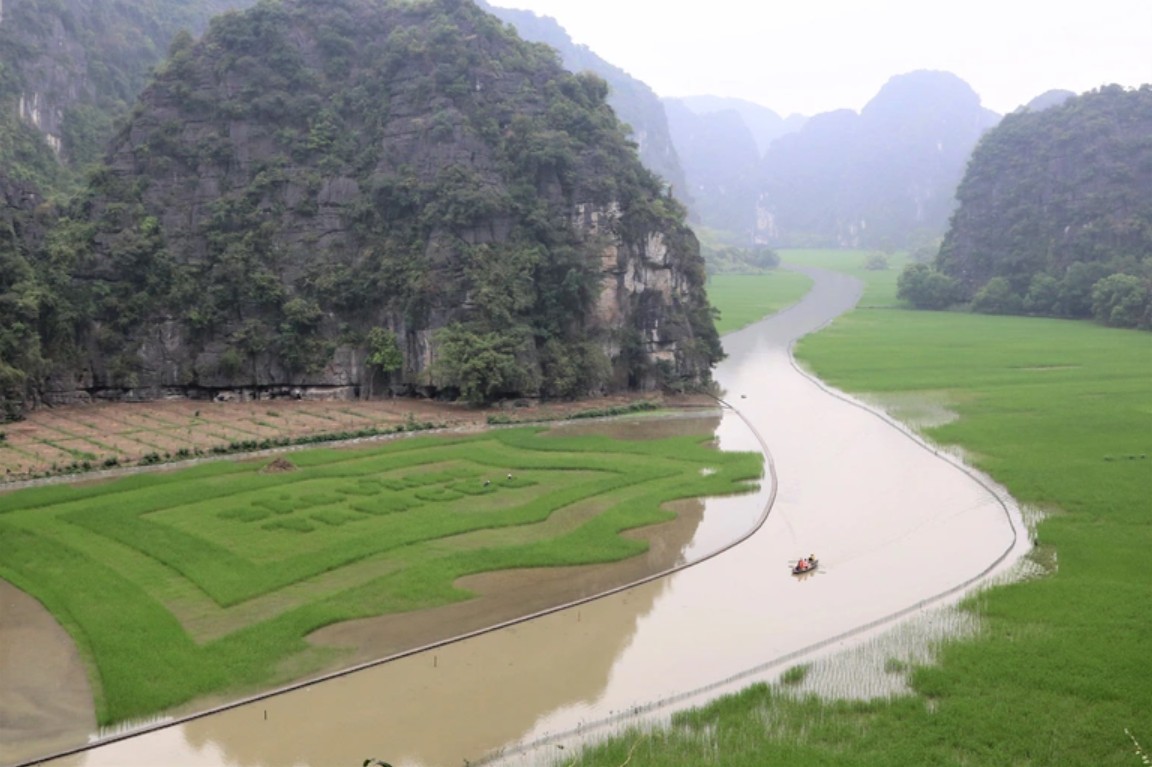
x=897, y=527
x=45, y=699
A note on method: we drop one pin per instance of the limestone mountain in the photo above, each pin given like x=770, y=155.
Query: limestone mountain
x=1048, y=99
x=1056, y=200
x=883, y=178
x=720, y=158
x=313, y=194
x=765, y=124
x=634, y=102
x=69, y=70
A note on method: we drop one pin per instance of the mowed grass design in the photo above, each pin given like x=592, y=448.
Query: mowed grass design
x=1060, y=412
x=207, y=580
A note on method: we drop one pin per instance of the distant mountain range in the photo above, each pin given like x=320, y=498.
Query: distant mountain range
x=766, y=125
x=883, y=178
x=720, y=157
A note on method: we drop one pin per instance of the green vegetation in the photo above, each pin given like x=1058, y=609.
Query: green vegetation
x=1055, y=213
x=384, y=355
x=206, y=580
x=881, y=284
x=747, y=298
x=731, y=259
x=635, y=103
x=605, y=412
x=326, y=220
x=1061, y=413
x=87, y=61
x=926, y=288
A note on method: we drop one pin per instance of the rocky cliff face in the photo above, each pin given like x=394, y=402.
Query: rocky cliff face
x=308, y=173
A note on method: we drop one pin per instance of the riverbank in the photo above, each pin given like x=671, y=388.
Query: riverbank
x=1058, y=412
x=46, y=704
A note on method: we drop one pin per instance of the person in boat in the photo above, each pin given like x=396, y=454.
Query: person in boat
x=802, y=565
x=811, y=559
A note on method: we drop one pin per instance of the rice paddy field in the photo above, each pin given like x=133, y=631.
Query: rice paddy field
x=1060, y=671
x=206, y=580
x=746, y=298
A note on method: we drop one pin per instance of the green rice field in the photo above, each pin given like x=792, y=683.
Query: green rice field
x=206, y=580
x=1060, y=673
x=746, y=298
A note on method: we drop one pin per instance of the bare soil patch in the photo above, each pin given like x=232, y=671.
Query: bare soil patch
x=279, y=466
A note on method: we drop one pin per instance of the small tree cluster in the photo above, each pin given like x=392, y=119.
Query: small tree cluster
x=1086, y=290
x=925, y=288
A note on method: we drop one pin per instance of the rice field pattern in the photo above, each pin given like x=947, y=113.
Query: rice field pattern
x=207, y=580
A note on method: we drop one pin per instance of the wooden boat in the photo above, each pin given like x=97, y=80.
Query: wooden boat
x=812, y=565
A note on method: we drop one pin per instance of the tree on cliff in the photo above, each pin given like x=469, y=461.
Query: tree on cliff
x=384, y=355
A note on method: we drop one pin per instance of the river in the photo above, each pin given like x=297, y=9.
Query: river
x=899, y=529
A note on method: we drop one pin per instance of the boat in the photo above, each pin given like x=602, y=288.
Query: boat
x=812, y=565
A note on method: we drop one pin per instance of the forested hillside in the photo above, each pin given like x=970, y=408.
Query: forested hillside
x=34, y=319
x=1055, y=213
x=883, y=178
x=635, y=103
x=69, y=70
x=370, y=192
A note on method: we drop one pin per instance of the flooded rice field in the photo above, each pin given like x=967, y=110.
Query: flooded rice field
x=901, y=532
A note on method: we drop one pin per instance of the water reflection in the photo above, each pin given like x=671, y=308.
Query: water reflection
x=437, y=708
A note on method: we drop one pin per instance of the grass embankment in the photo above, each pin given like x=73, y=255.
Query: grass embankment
x=181, y=584
x=746, y=298
x=1061, y=413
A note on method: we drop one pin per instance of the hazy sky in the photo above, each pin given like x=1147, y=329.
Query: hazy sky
x=811, y=56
